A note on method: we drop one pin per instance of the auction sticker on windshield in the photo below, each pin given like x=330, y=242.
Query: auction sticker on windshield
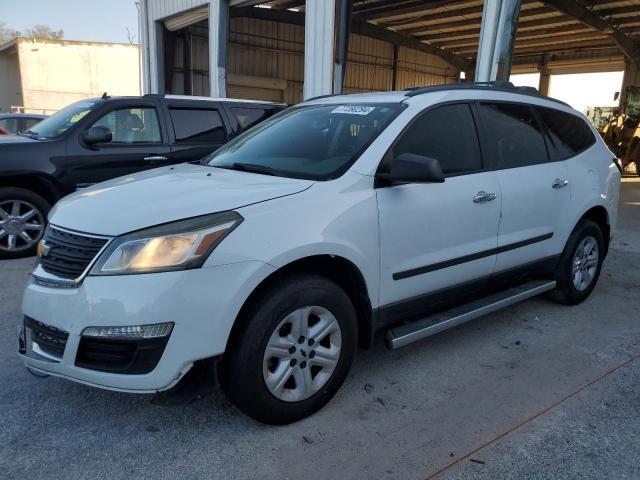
x=354, y=109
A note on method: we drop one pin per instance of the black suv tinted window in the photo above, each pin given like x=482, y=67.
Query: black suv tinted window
x=569, y=134
x=513, y=136
x=198, y=126
x=446, y=133
x=248, y=117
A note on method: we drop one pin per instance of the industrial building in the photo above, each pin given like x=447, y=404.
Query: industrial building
x=43, y=76
x=287, y=50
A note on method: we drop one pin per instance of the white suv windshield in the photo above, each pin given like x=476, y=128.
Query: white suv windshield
x=61, y=121
x=318, y=142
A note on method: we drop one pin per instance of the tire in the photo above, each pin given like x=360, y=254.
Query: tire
x=12, y=242
x=567, y=292
x=246, y=367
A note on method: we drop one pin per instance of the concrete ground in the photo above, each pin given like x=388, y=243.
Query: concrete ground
x=536, y=391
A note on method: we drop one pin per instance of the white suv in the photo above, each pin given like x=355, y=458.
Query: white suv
x=401, y=213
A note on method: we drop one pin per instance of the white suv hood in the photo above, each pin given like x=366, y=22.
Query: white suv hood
x=166, y=194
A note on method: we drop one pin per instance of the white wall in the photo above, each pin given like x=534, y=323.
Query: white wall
x=55, y=74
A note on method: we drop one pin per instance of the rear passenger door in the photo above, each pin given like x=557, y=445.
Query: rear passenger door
x=436, y=235
x=535, y=189
x=198, y=130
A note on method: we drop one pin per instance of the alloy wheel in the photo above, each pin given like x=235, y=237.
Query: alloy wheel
x=21, y=225
x=302, y=353
x=585, y=263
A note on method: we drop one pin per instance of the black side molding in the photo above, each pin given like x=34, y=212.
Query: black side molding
x=469, y=258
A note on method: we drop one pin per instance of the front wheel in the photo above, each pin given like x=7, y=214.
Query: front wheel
x=580, y=264
x=23, y=216
x=293, y=351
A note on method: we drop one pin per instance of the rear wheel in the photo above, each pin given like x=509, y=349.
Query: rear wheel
x=580, y=264
x=23, y=216
x=294, y=350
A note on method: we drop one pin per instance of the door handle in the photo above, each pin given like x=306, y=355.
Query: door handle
x=155, y=158
x=559, y=183
x=483, y=196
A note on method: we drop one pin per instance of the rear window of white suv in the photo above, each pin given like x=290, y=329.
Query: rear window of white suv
x=569, y=134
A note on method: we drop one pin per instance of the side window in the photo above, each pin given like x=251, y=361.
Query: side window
x=569, y=134
x=513, y=136
x=446, y=133
x=9, y=124
x=248, y=117
x=132, y=125
x=31, y=122
x=198, y=126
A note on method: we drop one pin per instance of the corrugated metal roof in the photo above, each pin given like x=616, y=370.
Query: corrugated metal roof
x=454, y=26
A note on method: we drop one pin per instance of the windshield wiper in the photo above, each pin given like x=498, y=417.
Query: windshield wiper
x=251, y=168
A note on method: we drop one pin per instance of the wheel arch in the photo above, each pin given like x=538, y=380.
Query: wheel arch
x=337, y=269
x=600, y=216
x=39, y=184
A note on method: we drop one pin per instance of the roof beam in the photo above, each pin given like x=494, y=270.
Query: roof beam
x=363, y=27
x=629, y=47
x=245, y=3
x=392, y=11
x=425, y=30
x=359, y=26
x=286, y=4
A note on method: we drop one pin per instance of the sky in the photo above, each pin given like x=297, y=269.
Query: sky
x=88, y=20
x=579, y=90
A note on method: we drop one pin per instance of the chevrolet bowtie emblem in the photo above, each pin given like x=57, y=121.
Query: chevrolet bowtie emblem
x=43, y=249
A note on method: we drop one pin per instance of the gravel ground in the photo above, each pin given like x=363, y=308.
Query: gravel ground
x=551, y=380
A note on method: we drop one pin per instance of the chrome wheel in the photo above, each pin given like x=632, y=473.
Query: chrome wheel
x=585, y=263
x=302, y=353
x=21, y=225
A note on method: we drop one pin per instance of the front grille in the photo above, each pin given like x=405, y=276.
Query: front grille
x=51, y=340
x=68, y=254
x=125, y=356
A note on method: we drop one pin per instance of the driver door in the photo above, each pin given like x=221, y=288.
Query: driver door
x=437, y=235
x=138, y=143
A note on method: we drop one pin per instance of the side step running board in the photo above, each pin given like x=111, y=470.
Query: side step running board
x=406, y=334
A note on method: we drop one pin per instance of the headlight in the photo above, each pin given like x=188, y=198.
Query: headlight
x=172, y=246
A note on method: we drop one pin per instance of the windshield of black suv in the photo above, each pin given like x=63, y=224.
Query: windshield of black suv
x=317, y=142
x=61, y=121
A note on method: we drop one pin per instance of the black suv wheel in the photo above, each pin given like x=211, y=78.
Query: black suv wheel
x=23, y=217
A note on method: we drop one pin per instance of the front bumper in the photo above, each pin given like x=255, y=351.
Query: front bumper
x=202, y=303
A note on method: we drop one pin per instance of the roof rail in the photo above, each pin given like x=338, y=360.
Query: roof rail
x=153, y=95
x=497, y=86
x=327, y=95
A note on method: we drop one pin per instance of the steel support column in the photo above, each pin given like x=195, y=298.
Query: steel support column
x=545, y=77
x=218, y=45
x=497, y=37
x=344, y=8
x=319, y=24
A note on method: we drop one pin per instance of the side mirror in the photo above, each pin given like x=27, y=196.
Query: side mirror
x=96, y=135
x=411, y=168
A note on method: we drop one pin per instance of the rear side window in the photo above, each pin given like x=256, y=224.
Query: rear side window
x=198, y=126
x=569, y=134
x=513, y=136
x=446, y=133
x=248, y=117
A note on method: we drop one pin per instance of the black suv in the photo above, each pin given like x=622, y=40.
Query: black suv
x=102, y=138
